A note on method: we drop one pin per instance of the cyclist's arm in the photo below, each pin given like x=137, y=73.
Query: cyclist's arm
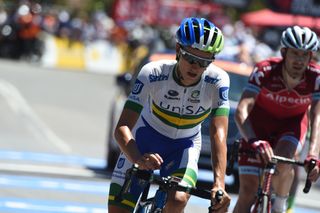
x=218, y=137
x=130, y=114
x=127, y=143
x=314, y=138
x=124, y=136
x=315, y=128
x=242, y=112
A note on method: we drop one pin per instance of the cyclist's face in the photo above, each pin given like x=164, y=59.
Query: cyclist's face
x=192, y=63
x=296, y=62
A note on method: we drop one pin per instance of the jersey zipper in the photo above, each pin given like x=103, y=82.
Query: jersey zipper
x=185, y=90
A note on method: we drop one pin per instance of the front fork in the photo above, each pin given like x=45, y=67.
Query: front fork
x=264, y=188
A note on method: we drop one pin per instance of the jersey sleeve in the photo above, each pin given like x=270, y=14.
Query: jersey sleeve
x=140, y=90
x=220, y=104
x=316, y=93
x=255, y=80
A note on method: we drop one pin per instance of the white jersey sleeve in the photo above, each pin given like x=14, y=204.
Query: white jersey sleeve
x=221, y=84
x=141, y=88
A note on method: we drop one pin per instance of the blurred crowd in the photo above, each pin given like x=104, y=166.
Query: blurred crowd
x=24, y=26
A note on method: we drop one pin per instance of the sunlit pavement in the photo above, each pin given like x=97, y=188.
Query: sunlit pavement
x=48, y=181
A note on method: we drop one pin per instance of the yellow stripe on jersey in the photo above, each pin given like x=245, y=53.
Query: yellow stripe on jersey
x=176, y=120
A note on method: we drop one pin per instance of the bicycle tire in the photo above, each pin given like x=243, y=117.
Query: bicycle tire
x=146, y=208
x=264, y=204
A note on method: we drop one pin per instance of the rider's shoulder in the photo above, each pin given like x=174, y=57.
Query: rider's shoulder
x=158, y=66
x=314, y=68
x=160, y=63
x=156, y=71
x=268, y=64
x=214, y=70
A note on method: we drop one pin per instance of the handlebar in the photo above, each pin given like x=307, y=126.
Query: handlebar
x=275, y=159
x=308, y=183
x=233, y=156
x=127, y=183
x=166, y=183
x=311, y=165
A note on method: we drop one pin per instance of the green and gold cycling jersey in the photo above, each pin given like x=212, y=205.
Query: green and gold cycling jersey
x=174, y=110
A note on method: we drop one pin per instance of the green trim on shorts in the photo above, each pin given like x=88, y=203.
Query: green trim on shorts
x=188, y=175
x=128, y=201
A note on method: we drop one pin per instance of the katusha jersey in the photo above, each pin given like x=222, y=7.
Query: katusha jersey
x=273, y=96
x=174, y=110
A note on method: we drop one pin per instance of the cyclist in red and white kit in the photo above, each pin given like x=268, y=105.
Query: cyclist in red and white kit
x=272, y=115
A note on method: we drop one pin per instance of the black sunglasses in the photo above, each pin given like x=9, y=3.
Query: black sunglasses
x=193, y=59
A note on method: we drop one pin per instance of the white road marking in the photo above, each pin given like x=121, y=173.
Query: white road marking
x=54, y=170
x=21, y=108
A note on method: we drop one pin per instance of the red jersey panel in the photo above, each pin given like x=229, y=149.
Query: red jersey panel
x=273, y=95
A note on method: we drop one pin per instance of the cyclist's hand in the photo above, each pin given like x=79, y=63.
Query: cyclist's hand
x=223, y=205
x=150, y=161
x=315, y=172
x=263, y=148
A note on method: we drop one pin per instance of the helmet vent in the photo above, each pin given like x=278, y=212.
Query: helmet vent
x=196, y=31
x=295, y=38
x=303, y=37
x=186, y=29
x=206, y=32
x=215, y=34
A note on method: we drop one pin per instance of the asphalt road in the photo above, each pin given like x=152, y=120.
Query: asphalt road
x=52, y=142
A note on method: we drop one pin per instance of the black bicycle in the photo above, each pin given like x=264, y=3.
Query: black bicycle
x=263, y=197
x=156, y=203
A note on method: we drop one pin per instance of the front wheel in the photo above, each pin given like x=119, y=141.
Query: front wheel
x=264, y=204
x=145, y=208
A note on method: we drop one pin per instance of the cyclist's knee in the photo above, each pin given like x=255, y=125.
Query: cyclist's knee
x=285, y=170
x=177, y=201
x=285, y=149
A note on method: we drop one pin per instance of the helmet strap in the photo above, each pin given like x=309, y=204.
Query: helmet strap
x=177, y=74
x=176, y=69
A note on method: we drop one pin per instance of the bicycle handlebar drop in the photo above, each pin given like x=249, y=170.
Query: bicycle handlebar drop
x=275, y=159
x=233, y=156
x=218, y=198
x=308, y=183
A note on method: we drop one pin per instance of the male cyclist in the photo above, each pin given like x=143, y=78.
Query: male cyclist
x=159, y=127
x=272, y=115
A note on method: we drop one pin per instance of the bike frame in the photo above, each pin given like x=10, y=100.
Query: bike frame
x=264, y=190
x=156, y=203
